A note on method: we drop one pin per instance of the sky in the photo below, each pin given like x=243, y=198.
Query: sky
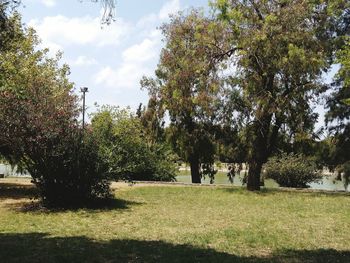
x=109, y=60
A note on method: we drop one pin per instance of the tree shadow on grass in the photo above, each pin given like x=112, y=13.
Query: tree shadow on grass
x=17, y=191
x=94, y=207
x=32, y=203
x=38, y=247
x=243, y=191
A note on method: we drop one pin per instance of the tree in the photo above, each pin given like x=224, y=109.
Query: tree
x=39, y=128
x=230, y=145
x=32, y=86
x=7, y=31
x=338, y=115
x=152, y=122
x=280, y=49
x=188, y=84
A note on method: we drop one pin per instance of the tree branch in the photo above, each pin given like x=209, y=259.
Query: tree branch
x=227, y=53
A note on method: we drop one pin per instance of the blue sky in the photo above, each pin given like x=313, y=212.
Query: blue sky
x=110, y=60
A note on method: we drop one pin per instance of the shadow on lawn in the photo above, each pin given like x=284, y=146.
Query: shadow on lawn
x=36, y=247
x=17, y=191
x=33, y=204
x=94, y=207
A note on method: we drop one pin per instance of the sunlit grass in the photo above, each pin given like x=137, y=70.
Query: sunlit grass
x=180, y=224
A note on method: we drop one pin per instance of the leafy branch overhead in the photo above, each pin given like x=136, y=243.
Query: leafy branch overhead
x=109, y=10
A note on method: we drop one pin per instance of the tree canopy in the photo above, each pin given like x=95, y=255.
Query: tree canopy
x=338, y=115
x=280, y=51
x=188, y=85
x=39, y=127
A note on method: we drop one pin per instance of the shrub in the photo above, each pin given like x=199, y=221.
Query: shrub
x=136, y=161
x=164, y=162
x=72, y=173
x=126, y=149
x=291, y=170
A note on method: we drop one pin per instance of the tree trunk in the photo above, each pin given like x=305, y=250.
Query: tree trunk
x=260, y=152
x=263, y=139
x=194, y=163
x=254, y=172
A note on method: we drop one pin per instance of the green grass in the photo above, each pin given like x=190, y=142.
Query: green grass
x=179, y=224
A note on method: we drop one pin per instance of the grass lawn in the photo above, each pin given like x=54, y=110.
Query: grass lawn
x=178, y=224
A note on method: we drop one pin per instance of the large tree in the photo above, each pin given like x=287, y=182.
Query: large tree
x=338, y=115
x=187, y=85
x=280, y=49
x=39, y=128
x=32, y=87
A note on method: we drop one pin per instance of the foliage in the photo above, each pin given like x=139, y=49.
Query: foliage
x=345, y=170
x=323, y=153
x=152, y=122
x=338, y=115
x=230, y=144
x=291, y=170
x=280, y=50
x=39, y=130
x=124, y=147
x=108, y=9
x=343, y=58
x=207, y=169
x=74, y=174
x=187, y=85
x=338, y=108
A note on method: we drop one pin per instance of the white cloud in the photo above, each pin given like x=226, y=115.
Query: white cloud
x=63, y=31
x=170, y=7
x=139, y=59
x=141, y=52
x=49, y=3
x=84, y=61
x=135, y=64
x=117, y=77
x=58, y=32
x=106, y=76
x=125, y=78
x=149, y=19
x=53, y=47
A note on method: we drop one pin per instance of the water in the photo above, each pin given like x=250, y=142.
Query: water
x=328, y=182
x=9, y=171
